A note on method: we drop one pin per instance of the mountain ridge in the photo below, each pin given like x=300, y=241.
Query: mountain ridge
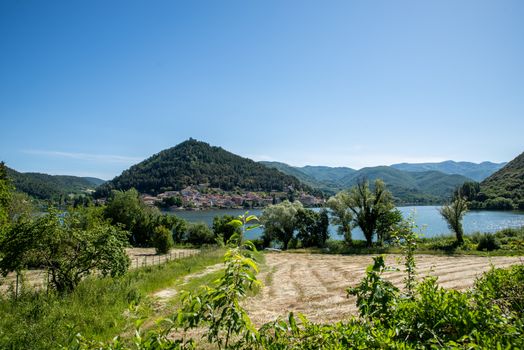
x=51, y=187
x=424, y=187
x=475, y=171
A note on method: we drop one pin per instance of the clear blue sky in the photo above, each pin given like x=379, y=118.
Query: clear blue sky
x=91, y=87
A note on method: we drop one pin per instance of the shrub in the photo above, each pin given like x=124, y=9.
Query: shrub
x=162, y=240
x=488, y=242
x=505, y=287
x=199, y=233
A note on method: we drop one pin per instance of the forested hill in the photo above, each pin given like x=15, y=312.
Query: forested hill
x=192, y=163
x=505, y=188
x=422, y=187
x=477, y=172
x=51, y=187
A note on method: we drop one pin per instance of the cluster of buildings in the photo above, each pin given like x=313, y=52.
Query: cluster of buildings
x=203, y=198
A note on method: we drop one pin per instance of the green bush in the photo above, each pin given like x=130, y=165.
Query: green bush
x=199, y=233
x=488, y=242
x=505, y=287
x=499, y=203
x=162, y=240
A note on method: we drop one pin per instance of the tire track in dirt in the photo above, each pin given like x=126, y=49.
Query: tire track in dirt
x=315, y=284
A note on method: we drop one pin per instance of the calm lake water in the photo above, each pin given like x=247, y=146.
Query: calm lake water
x=425, y=216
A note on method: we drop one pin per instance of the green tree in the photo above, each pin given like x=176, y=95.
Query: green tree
x=69, y=245
x=469, y=190
x=387, y=224
x=223, y=226
x=368, y=206
x=280, y=222
x=175, y=224
x=341, y=215
x=199, y=233
x=5, y=196
x=312, y=228
x=162, y=240
x=21, y=205
x=126, y=208
x=453, y=214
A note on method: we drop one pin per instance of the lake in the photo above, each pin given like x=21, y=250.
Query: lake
x=427, y=217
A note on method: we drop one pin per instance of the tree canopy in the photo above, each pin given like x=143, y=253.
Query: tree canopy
x=280, y=222
x=70, y=246
x=453, y=214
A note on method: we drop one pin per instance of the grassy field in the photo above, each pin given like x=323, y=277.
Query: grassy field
x=98, y=308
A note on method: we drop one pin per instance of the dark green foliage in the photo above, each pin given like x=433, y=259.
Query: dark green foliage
x=469, y=190
x=224, y=227
x=198, y=234
x=499, y=203
x=488, y=242
x=312, y=228
x=193, y=163
x=70, y=246
x=162, y=240
x=504, y=190
x=51, y=187
x=174, y=201
x=126, y=209
x=5, y=197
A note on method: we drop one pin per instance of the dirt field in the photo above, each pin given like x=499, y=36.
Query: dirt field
x=315, y=284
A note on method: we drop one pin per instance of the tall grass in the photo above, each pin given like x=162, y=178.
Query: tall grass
x=97, y=308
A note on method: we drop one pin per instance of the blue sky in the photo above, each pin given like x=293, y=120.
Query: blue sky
x=91, y=87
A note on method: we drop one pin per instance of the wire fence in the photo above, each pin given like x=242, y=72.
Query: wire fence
x=39, y=279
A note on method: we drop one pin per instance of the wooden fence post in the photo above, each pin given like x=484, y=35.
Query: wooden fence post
x=16, y=288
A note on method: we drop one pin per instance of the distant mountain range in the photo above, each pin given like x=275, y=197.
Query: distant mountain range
x=52, y=187
x=192, y=163
x=477, y=172
x=417, y=187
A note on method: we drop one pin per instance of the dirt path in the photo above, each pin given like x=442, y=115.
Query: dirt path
x=164, y=295
x=314, y=284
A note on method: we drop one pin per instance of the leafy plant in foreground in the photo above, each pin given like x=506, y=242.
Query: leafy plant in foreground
x=218, y=307
x=407, y=239
x=375, y=296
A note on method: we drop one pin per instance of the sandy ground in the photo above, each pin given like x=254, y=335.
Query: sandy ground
x=314, y=284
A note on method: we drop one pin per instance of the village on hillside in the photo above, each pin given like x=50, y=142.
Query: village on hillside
x=203, y=197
